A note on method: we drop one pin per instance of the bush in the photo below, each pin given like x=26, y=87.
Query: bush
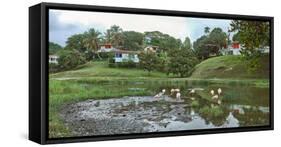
x=111, y=62
x=53, y=68
x=69, y=59
x=182, y=62
x=127, y=64
x=123, y=64
x=149, y=61
x=194, y=103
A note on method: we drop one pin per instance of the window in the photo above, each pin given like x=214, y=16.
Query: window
x=118, y=55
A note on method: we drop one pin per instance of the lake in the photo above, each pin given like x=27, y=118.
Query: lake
x=138, y=111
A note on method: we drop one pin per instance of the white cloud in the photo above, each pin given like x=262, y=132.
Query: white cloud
x=71, y=22
x=174, y=26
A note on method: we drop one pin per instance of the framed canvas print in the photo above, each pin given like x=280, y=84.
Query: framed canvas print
x=100, y=73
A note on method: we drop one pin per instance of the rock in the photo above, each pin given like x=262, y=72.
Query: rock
x=97, y=104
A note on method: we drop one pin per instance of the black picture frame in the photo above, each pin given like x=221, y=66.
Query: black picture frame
x=38, y=71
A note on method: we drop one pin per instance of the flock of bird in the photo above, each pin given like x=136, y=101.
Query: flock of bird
x=215, y=96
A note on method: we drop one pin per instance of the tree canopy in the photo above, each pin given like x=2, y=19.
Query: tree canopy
x=187, y=43
x=182, y=62
x=210, y=43
x=252, y=34
x=54, y=48
x=133, y=40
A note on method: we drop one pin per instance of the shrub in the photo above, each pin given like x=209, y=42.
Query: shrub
x=69, y=59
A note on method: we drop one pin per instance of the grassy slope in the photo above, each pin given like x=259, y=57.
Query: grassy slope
x=230, y=67
x=101, y=69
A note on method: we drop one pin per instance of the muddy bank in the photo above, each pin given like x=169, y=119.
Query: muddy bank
x=126, y=115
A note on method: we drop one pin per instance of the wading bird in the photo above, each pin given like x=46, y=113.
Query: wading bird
x=160, y=94
x=219, y=91
x=178, y=95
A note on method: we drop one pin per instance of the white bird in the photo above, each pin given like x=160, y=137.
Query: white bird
x=219, y=102
x=177, y=90
x=219, y=91
x=212, y=92
x=215, y=97
x=160, y=94
x=178, y=95
x=192, y=91
x=172, y=91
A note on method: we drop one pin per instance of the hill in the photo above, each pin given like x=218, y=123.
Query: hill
x=230, y=67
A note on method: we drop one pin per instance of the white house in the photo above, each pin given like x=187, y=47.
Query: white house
x=125, y=55
x=264, y=49
x=53, y=59
x=233, y=49
x=151, y=48
x=106, y=48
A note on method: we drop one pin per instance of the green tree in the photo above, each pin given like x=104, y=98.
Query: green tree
x=210, y=43
x=91, y=42
x=218, y=37
x=186, y=43
x=133, y=40
x=182, y=62
x=252, y=34
x=236, y=37
x=54, y=48
x=148, y=61
x=200, y=48
x=163, y=60
x=69, y=59
x=76, y=42
x=115, y=36
x=165, y=42
x=207, y=30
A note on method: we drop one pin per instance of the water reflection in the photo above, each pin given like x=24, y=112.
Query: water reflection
x=241, y=105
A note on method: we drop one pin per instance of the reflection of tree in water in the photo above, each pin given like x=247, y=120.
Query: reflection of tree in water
x=252, y=117
x=216, y=115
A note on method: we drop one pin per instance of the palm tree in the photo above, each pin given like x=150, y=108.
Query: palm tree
x=115, y=36
x=92, y=38
x=207, y=30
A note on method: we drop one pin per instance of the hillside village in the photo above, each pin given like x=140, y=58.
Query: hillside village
x=127, y=77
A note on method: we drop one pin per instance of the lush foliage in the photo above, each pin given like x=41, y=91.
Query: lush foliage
x=54, y=48
x=187, y=43
x=133, y=40
x=181, y=62
x=165, y=42
x=210, y=43
x=253, y=34
x=69, y=59
x=148, y=61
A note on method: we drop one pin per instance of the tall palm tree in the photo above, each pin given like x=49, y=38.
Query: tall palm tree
x=115, y=36
x=92, y=38
x=207, y=30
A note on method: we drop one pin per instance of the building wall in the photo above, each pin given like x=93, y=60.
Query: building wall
x=126, y=57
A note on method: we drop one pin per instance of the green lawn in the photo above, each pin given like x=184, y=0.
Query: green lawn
x=100, y=69
x=230, y=67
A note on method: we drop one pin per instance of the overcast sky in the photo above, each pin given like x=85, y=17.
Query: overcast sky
x=64, y=23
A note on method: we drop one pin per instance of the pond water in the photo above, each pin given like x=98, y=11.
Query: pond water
x=241, y=105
